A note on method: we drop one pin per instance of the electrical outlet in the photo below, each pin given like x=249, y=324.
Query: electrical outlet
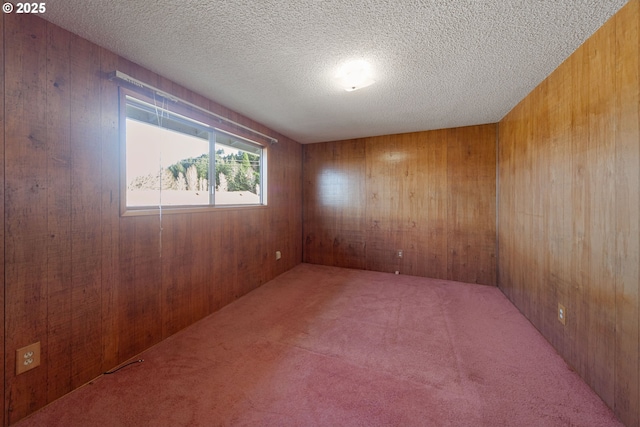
x=278, y=255
x=399, y=253
x=562, y=314
x=27, y=358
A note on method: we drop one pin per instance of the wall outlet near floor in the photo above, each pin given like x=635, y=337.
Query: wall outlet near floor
x=399, y=253
x=562, y=313
x=278, y=255
x=27, y=358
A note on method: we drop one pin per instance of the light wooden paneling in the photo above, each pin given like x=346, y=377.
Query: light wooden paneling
x=429, y=194
x=569, y=209
x=627, y=214
x=93, y=287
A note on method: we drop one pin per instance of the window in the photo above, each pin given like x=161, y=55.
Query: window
x=173, y=160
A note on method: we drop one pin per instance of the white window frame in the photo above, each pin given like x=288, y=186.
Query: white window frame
x=194, y=120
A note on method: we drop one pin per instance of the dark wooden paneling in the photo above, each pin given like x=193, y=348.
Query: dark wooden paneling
x=176, y=286
x=471, y=209
x=224, y=275
x=96, y=288
x=110, y=210
x=429, y=194
x=2, y=240
x=86, y=245
x=432, y=207
x=59, y=196
x=147, y=241
x=335, y=200
x=393, y=195
x=185, y=277
x=250, y=260
x=569, y=209
x=26, y=230
x=286, y=212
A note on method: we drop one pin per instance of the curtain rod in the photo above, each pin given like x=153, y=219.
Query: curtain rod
x=120, y=76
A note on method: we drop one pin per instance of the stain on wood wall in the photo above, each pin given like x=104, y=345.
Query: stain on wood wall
x=569, y=210
x=430, y=194
x=93, y=287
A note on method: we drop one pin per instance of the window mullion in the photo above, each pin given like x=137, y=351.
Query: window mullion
x=212, y=168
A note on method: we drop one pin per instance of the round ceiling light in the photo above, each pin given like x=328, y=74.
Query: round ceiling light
x=355, y=75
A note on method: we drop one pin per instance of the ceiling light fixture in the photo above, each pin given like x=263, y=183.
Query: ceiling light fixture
x=355, y=75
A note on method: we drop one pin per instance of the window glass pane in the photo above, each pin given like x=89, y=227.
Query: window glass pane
x=165, y=167
x=238, y=171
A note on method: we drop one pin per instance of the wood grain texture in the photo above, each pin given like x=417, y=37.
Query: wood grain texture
x=471, y=209
x=335, y=201
x=59, y=196
x=429, y=194
x=2, y=232
x=569, y=209
x=627, y=214
x=26, y=237
x=432, y=209
x=110, y=213
x=96, y=288
x=86, y=244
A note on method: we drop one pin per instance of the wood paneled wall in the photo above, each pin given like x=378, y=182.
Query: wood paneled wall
x=430, y=194
x=569, y=210
x=93, y=287
x=2, y=291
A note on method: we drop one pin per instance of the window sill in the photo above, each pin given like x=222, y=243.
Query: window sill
x=186, y=209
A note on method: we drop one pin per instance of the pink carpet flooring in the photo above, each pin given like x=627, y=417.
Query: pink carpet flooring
x=324, y=346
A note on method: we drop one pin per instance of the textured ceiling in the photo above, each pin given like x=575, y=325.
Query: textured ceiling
x=437, y=63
